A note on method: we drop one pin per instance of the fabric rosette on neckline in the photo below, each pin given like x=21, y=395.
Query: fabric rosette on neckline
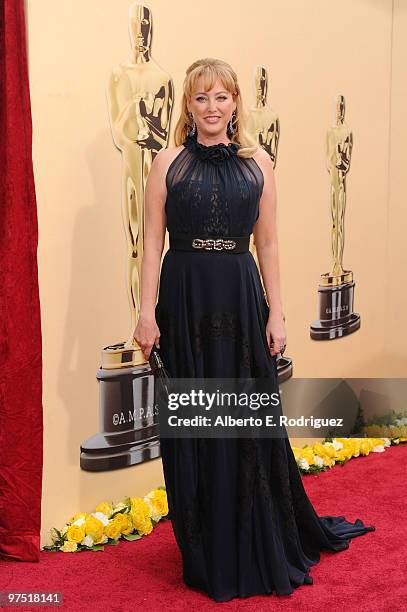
x=216, y=154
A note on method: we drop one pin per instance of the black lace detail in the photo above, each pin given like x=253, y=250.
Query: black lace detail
x=216, y=154
x=215, y=218
x=222, y=326
x=210, y=328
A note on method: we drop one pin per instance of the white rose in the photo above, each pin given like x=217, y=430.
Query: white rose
x=318, y=461
x=337, y=445
x=378, y=449
x=387, y=441
x=79, y=521
x=303, y=463
x=102, y=517
x=88, y=541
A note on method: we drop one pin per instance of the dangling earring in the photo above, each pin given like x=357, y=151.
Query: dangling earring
x=193, y=129
x=231, y=129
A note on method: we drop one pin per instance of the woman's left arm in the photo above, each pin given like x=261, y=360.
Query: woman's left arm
x=266, y=242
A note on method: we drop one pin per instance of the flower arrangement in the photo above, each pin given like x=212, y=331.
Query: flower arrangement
x=128, y=520
x=394, y=427
x=324, y=455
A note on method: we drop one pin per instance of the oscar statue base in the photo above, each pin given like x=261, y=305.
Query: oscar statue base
x=337, y=318
x=102, y=453
x=128, y=417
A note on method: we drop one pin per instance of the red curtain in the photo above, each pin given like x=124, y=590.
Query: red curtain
x=21, y=426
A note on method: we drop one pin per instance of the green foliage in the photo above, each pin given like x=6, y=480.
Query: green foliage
x=132, y=536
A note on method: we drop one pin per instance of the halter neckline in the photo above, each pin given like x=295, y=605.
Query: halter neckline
x=217, y=153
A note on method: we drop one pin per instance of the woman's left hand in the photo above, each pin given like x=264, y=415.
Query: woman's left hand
x=275, y=333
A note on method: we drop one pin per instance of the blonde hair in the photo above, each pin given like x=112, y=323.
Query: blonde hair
x=210, y=70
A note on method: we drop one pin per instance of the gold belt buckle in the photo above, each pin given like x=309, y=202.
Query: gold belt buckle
x=216, y=244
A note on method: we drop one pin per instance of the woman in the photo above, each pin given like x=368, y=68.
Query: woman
x=240, y=514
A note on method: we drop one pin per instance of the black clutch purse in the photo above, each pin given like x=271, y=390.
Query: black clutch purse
x=161, y=375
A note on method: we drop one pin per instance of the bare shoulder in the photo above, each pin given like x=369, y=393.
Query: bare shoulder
x=159, y=169
x=263, y=159
x=165, y=157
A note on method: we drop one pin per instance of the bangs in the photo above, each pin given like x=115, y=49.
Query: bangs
x=209, y=76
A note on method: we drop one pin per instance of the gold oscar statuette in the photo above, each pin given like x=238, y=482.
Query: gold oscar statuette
x=140, y=100
x=336, y=288
x=264, y=125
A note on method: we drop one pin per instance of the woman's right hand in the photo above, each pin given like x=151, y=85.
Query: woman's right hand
x=146, y=334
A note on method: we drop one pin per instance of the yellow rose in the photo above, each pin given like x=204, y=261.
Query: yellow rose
x=308, y=454
x=329, y=449
x=297, y=452
x=341, y=455
x=75, y=533
x=94, y=528
x=377, y=431
x=146, y=527
x=399, y=431
x=124, y=522
x=347, y=450
x=78, y=516
x=355, y=446
x=319, y=449
x=140, y=515
x=158, y=498
x=105, y=508
x=69, y=546
x=365, y=447
x=378, y=442
x=129, y=527
x=142, y=524
x=112, y=530
x=101, y=540
x=138, y=504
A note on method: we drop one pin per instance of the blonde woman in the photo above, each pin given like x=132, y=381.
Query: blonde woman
x=239, y=511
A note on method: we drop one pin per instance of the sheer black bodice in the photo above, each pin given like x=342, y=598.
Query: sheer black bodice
x=212, y=192
x=240, y=514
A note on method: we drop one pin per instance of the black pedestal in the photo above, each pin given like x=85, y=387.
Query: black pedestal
x=128, y=416
x=336, y=313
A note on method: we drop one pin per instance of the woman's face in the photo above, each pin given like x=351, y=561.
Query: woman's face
x=212, y=109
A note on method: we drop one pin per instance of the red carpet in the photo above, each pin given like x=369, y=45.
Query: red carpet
x=369, y=576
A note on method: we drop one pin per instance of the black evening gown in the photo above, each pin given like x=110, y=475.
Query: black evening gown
x=240, y=515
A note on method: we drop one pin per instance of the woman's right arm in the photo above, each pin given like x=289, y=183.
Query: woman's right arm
x=146, y=332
